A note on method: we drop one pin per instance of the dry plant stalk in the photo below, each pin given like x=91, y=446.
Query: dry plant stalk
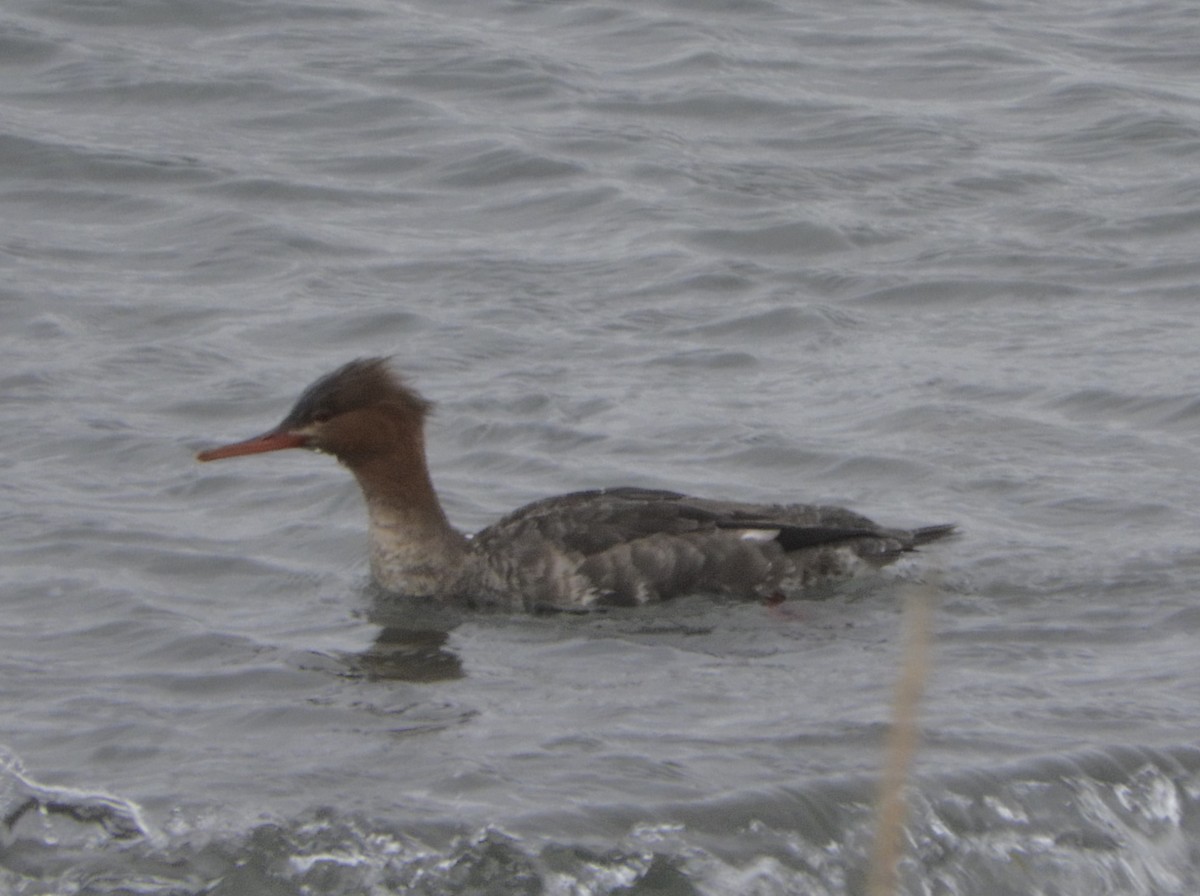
x=901, y=744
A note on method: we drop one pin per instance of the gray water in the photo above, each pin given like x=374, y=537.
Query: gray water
x=935, y=261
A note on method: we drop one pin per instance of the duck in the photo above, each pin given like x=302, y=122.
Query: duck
x=621, y=546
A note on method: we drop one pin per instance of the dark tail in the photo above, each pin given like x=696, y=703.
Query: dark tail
x=926, y=534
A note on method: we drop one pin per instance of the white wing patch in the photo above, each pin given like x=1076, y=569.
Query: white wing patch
x=758, y=534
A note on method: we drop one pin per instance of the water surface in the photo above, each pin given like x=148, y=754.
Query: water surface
x=932, y=261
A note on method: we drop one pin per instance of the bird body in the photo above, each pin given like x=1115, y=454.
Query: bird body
x=617, y=546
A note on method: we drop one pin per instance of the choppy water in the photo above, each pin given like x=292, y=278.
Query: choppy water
x=931, y=260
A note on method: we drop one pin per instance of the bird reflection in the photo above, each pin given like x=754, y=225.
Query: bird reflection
x=415, y=655
x=411, y=644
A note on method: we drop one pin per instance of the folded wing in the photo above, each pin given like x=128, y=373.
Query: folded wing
x=627, y=546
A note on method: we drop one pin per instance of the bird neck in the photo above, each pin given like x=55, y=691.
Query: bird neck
x=414, y=549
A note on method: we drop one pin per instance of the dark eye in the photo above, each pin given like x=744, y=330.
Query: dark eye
x=322, y=417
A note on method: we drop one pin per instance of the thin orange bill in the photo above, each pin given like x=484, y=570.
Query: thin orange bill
x=268, y=441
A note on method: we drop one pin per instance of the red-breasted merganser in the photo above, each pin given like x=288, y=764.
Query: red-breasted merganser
x=615, y=546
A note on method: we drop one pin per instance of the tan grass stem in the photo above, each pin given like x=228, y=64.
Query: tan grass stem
x=901, y=742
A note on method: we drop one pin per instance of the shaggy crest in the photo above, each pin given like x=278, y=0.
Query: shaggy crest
x=362, y=383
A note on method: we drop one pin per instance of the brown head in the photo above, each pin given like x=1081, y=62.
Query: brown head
x=359, y=413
